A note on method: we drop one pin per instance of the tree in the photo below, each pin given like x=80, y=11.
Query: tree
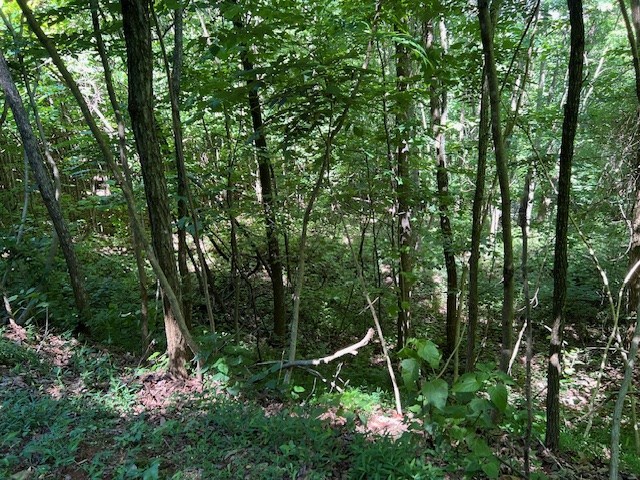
x=404, y=192
x=560, y=264
x=268, y=197
x=137, y=31
x=47, y=191
x=632, y=25
x=502, y=167
x=439, y=111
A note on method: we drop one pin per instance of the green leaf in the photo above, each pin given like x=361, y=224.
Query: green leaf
x=408, y=352
x=499, y=395
x=152, y=473
x=410, y=371
x=467, y=383
x=491, y=468
x=428, y=351
x=478, y=446
x=436, y=393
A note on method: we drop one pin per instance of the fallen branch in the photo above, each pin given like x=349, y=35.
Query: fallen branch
x=352, y=349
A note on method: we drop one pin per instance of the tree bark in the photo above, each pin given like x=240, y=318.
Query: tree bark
x=438, y=107
x=502, y=167
x=476, y=225
x=47, y=191
x=560, y=264
x=137, y=31
x=526, y=204
x=632, y=25
x=403, y=193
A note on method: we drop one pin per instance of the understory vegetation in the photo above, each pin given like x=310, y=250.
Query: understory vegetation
x=319, y=239
x=78, y=410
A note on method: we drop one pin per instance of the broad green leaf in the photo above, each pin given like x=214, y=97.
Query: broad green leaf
x=467, y=383
x=491, y=468
x=499, y=395
x=436, y=393
x=479, y=405
x=478, y=446
x=408, y=352
x=410, y=371
x=152, y=473
x=429, y=352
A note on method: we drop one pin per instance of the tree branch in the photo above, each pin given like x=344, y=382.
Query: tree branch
x=352, y=349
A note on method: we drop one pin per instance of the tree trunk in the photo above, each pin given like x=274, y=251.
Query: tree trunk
x=524, y=215
x=12, y=97
x=174, y=76
x=137, y=242
x=502, y=167
x=476, y=226
x=403, y=192
x=268, y=195
x=137, y=31
x=560, y=264
x=633, y=34
x=438, y=104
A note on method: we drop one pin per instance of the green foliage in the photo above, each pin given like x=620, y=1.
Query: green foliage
x=20, y=359
x=387, y=459
x=462, y=413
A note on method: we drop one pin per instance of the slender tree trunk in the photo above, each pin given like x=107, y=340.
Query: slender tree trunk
x=174, y=76
x=560, y=264
x=48, y=157
x=137, y=242
x=137, y=30
x=476, y=226
x=502, y=167
x=269, y=204
x=438, y=104
x=12, y=97
x=526, y=205
x=616, y=419
x=403, y=193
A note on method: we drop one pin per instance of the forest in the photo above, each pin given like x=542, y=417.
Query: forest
x=319, y=239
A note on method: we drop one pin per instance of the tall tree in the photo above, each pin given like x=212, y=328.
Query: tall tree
x=269, y=203
x=137, y=31
x=439, y=112
x=502, y=168
x=122, y=151
x=560, y=264
x=47, y=191
x=403, y=192
x=476, y=225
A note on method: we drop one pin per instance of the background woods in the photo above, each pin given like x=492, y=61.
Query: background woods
x=218, y=187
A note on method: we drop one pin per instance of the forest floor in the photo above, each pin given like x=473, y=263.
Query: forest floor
x=73, y=411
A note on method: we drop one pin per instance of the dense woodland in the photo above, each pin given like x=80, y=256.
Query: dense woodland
x=309, y=217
